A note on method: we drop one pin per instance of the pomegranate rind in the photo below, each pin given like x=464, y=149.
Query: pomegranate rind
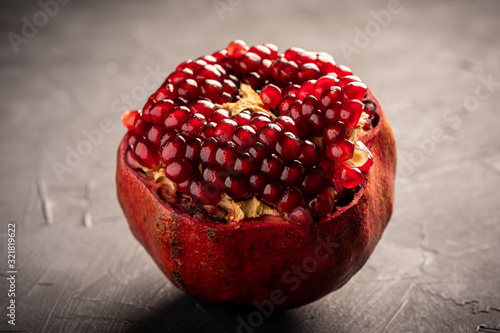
x=264, y=258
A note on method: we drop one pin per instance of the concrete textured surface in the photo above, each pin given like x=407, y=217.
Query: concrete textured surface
x=73, y=67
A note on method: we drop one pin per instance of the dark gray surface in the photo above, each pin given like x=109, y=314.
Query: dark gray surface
x=436, y=268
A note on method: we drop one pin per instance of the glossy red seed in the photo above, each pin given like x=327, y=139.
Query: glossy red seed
x=192, y=65
x=306, y=89
x=313, y=182
x=208, y=150
x=210, y=89
x=147, y=106
x=309, y=154
x=259, y=114
x=346, y=176
x=236, y=187
x=306, y=72
x=296, y=115
x=288, y=146
x=301, y=217
x=270, y=96
x=305, y=57
x=130, y=159
x=167, y=135
x=257, y=183
x=292, y=52
x=244, y=137
x=326, y=65
x=242, y=118
x=323, y=203
x=208, y=130
x=332, y=95
x=288, y=71
x=226, y=156
x=342, y=71
x=203, y=193
x=229, y=87
x=203, y=107
x=261, y=50
x=351, y=112
x=245, y=165
x=309, y=105
x=193, y=147
x=177, y=117
x=218, y=115
x=258, y=151
x=273, y=50
x=348, y=79
x=141, y=126
x=178, y=171
x=269, y=135
x=284, y=106
x=193, y=125
x=258, y=122
x=354, y=90
x=155, y=133
x=272, y=193
x=264, y=69
x=340, y=151
x=223, y=98
x=332, y=112
x=180, y=101
x=128, y=119
x=293, y=173
x=209, y=59
x=145, y=154
x=208, y=72
x=167, y=91
x=289, y=200
x=334, y=133
x=292, y=90
x=228, y=63
x=187, y=89
x=248, y=62
x=286, y=123
x=224, y=130
x=180, y=75
x=317, y=123
x=324, y=83
x=183, y=187
x=215, y=175
x=219, y=55
x=236, y=47
x=369, y=162
x=132, y=138
x=276, y=66
x=160, y=110
x=272, y=167
x=173, y=150
x=253, y=79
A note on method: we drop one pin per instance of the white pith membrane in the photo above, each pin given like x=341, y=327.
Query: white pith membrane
x=253, y=207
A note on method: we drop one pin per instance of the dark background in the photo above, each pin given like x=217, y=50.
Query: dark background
x=433, y=65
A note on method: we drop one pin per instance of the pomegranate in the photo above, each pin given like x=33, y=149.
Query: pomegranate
x=252, y=175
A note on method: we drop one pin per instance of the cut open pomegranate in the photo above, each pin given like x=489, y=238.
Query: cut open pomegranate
x=247, y=162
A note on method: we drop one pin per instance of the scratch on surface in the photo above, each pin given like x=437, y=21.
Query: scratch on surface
x=404, y=301
x=485, y=329
x=87, y=218
x=30, y=199
x=45, y=202
x=457, y=300
x=474, y=249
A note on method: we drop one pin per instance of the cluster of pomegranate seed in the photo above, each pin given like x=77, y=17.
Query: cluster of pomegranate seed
x=293, y=147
